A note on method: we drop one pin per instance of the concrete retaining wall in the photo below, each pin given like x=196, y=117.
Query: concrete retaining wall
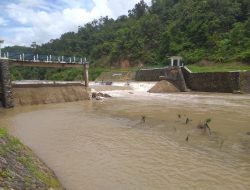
x=149, y=74
x=213, y=81
x=203, y=82
x=115, y=77
x=245, y=82
x=171, y=74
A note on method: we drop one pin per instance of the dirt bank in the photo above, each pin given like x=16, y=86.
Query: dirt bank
x=45, y=94
x=21, y=169
x=163, y=87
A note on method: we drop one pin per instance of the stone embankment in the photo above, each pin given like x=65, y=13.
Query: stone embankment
x=21, y=169
x=6, y=95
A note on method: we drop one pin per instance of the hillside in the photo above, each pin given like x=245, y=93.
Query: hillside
x=211, y=29
x=214, y=30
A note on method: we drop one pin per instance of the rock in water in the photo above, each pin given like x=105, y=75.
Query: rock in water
x=99, y=98
x=94, y=94
x=163, y=87
x=106, y=95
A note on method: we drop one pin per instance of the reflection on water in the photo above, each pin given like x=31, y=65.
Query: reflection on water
x=105, y=145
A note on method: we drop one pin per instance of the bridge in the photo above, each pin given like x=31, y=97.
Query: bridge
x=34, y=60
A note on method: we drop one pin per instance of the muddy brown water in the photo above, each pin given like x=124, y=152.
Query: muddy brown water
x=94, y=145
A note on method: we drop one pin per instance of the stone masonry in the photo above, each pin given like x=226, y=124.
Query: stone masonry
x=5, y=85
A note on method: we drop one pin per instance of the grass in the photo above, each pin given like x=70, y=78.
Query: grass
x=223, y=67
x=16, y=153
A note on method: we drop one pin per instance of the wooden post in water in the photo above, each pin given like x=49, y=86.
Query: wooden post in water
x=86, y=73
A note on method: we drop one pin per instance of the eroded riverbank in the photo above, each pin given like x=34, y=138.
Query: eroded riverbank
x=104, y=145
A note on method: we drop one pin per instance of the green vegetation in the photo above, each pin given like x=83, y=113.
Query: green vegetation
x=215, y=30
x=66, y=74
x=222, y=67
x=20, y=169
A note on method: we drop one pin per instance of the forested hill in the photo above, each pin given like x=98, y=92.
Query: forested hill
x=217, y=30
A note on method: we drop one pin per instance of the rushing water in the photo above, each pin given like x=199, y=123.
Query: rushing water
x=105, y=144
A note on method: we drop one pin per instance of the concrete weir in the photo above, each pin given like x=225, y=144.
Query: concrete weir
x=29, y=94
x=33, y=94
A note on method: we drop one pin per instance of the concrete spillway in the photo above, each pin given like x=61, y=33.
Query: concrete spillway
x=32, y=94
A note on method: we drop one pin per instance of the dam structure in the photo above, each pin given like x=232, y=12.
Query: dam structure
x=9, y=99
x=185, y=80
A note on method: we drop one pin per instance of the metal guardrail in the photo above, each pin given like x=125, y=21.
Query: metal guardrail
x=31, y=57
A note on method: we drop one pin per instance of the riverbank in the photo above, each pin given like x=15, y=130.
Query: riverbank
x=21, y=169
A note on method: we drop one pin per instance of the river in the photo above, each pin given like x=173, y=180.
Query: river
x=105, y=145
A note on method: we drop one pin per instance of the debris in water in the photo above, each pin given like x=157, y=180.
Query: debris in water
x=205, y=126
x=143, y=118
x=221, y=142
x=179, y=116
x=187, y=138
x=187, y=120
x=200, y=126
x=208, y=120
x=248, y=133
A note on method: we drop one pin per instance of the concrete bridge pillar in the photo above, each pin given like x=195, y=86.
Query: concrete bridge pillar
x=6, y=95
x=86, y=74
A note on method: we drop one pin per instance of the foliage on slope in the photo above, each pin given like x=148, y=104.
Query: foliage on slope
x=20, y=169
x=211, y=29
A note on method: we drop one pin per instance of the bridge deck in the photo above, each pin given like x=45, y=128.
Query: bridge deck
x=44, y=64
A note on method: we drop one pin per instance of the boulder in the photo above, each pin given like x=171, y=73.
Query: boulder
x=100, y=96
x=163, y=87
x=106, y=96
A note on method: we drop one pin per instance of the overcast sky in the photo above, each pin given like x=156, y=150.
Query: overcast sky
x=26, y=21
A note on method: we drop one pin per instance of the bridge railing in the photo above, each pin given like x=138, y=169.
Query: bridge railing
x=31, y=57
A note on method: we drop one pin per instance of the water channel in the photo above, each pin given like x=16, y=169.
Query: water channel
x=105, y=145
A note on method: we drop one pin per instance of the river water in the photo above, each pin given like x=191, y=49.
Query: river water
x=105, y=145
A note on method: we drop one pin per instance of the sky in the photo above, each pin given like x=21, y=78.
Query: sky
x=25, y=21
